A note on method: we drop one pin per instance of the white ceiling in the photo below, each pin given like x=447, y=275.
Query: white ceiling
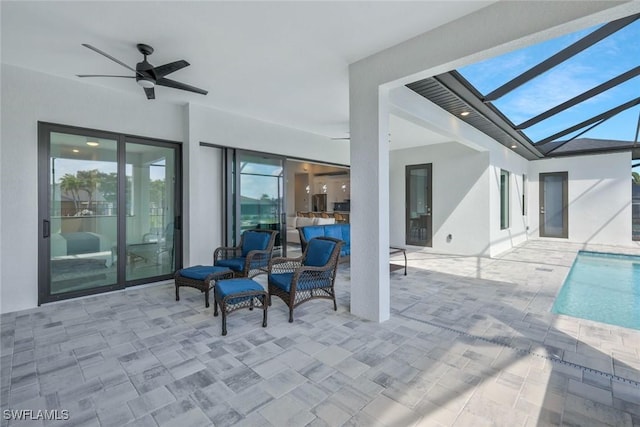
x=281, y=62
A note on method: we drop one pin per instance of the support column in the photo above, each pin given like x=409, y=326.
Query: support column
x=369, y=216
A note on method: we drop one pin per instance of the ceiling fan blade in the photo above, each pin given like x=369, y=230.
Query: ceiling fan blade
x=104, y=75
x=109, y=56
x=169, y=68
x=151, y=94
x=177, y=85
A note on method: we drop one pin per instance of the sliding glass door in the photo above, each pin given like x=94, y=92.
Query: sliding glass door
x=82, y=211
x=150, y=218
x=108, y=209
x=255, y=195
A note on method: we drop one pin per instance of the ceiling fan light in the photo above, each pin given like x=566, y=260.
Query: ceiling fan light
x=147, y=84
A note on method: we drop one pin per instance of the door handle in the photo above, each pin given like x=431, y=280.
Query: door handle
x=46, y=229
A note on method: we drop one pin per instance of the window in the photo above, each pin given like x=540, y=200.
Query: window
x=504, y=199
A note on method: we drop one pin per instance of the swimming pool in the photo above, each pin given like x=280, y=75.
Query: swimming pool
x=602, y=287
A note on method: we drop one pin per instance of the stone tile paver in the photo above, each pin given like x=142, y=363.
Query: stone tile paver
x=470, y=340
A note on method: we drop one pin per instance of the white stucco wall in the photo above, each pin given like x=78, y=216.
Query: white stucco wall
x=29, y=97
x=203, y=180
x=503, y=158
x=460, y=197
x=599, y=194
x=486, y=33
x=463, y=165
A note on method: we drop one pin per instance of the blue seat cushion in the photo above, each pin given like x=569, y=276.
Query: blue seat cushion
x=254, y=241
x=200, y=272
x=281, y=280
x=236, y=264
x=230, y=287
x=318, y=252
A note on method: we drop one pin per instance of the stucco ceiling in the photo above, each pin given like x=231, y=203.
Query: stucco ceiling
x=281, y=62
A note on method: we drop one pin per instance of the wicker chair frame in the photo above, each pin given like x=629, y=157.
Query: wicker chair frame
x=202, y=285
x=256, y=262
x=308, y=282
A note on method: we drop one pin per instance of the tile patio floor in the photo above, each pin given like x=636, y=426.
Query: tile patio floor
x=470, y=342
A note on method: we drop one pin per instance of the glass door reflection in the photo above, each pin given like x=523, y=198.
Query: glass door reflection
x=82, y=212
x=261, y=195
x=150, y=216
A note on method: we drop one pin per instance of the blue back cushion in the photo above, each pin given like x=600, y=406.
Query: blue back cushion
x=319, y=252
x=254, y=241
x=333, y=231
x=311, y=231
x=346, y=231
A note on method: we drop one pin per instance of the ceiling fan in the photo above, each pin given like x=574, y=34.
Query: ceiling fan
x=146, y=75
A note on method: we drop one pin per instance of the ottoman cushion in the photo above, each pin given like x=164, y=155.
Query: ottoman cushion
x=230, y=287
x=200, y=272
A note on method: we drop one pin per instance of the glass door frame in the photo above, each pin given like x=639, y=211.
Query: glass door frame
x=565, y=204
x=177, y=206
x=44, y=208
x=428, y=215
x=232, y=183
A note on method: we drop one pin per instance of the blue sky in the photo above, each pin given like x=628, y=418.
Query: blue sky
x=606, y=59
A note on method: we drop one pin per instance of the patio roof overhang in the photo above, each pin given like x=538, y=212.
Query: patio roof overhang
x=457, y=95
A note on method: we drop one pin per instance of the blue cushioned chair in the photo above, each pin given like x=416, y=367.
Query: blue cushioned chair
x=298, y=280
x=251, y=257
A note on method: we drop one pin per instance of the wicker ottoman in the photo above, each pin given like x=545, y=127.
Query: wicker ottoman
x=234, y=294
x=200, y=277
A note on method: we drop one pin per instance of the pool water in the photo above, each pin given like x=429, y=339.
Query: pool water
x=602, y=287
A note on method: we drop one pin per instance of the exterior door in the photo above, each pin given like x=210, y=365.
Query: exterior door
x=108, y=206
x=79, y=216
x=554, y=212
x=260, y=197
x=419, y=229
x=151, y=221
